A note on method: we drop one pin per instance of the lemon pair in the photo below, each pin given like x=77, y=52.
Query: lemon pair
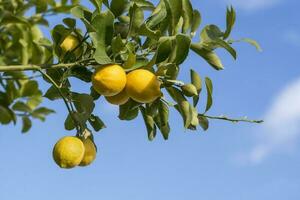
x=112, y=82
x=71, y=151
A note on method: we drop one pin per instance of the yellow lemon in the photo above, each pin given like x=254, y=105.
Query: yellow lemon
x=69, y=44
x=90, y=152
x=143, y=86
x=109, y=80
x=68, y=152
x=118, y=99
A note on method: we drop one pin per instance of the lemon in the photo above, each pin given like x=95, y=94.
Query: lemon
x=109, y=80
x=69, y=44
x=143, y=86
x=68, y=152
x=118, y=99
x=90, y=152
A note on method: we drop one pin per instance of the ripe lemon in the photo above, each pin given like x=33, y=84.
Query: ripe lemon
x=90, y=152
x=118, y=99
x=69, y=44
x=68, y=152
x=109, y=80
x=143, y=86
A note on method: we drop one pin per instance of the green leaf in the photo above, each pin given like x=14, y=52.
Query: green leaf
x=21, y=106
x=230, y=20
x=84, y=104
x=5, y=116
x=196, y=22
x=184, y=108
x=164, y=49
x=81, y=73
x=85, y=15
x=26, y=124
x=252, y=42
x=131, y=60
x=225, y=45
x=209, y=56
x=94, y=94
x=69, y=123
x=197, y=82
x=118, y=7
x=71, y=23
x=176, y=94
x=162, y=120
x=174, y=8
x=209, y=88
x=41, y=113
x=129, y=111
x=158, y=15
x=136, y=19
x=41, y=6
x=204, y=123
x=150, y=124
x=35, y=100
x=181, y=50
x=104, y=24
x=96, y=123
x=210, y=33
x=53, y=94
x=98, y=4
x=187, y=14
x=117, y=44
x=12, y=92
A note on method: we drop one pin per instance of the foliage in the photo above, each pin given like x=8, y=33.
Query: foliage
x=134, y=34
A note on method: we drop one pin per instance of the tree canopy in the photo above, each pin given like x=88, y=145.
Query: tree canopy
x=135, y=34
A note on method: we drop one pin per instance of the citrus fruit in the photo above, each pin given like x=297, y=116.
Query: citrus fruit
x=143, y=86
x=69, y=44
x=109, y=80
x=68, y=152
x=118, y=99
x=90, y=152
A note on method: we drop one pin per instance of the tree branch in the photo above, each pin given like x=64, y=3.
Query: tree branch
x=30, y=67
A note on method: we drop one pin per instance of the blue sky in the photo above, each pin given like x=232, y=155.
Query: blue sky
x=229, y=161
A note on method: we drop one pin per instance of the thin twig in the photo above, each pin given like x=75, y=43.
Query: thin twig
x=231, y=120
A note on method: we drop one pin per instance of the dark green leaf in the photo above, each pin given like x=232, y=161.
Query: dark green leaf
x=128, y=111
x=118, y=7
x=26, y=124
x=5, y=116
x=96, y=123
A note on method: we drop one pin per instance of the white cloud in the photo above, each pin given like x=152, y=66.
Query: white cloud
x=281, y=128
x=253, y=5
x=292, y=37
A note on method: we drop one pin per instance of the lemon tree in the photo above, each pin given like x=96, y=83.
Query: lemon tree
x=127, y=51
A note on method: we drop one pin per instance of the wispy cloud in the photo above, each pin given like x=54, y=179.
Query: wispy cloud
x=292, y=37
x=253, y=5
x=281, y=129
